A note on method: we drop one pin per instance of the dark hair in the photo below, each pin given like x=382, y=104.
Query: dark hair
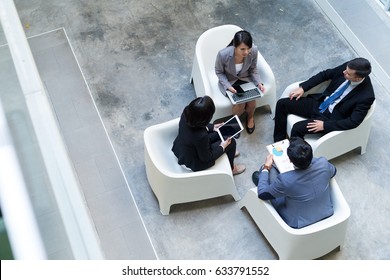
x=200, y=111
x=242, y=37
x=300, y=152
x=361, y=65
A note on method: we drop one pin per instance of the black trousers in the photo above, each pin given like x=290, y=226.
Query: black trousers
x=306, y=107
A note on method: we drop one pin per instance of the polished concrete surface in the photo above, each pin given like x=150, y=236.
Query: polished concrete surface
x=136, y=57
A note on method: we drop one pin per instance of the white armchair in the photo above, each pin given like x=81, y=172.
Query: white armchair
x=206, y=81
x=310, y=242
x=172, y=183
x=335, y=143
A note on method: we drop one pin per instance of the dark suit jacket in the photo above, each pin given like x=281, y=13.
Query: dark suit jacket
x=352, y=109
x=193, y=147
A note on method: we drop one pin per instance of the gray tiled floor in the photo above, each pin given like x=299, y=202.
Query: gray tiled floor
x=123, y=44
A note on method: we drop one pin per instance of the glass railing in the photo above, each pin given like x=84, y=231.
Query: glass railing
x=19, y=224
x=5, y=251
x=386, y=4
x=44, y=212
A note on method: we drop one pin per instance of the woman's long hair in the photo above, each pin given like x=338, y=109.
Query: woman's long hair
x=200, y=111
x=240, y=37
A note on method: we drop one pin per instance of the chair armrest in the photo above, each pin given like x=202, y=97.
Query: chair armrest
x=317, y=89
x=289, y=88
x=267, y=77
x=325, y=144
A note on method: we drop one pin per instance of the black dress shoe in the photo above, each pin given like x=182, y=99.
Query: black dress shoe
x=250, y=129
x=237, y=135
x=255, y=178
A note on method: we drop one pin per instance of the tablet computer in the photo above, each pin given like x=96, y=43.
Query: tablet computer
x=230, y=128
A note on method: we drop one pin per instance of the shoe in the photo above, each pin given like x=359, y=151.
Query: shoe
x=237, y=135
x=250, y=129
x=238, y=169
x=237, y=154
x=255, y=178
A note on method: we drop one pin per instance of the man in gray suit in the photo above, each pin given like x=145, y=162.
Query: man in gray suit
x=301, y=196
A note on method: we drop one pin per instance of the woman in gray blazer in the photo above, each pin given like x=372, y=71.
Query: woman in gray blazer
x=237, y=64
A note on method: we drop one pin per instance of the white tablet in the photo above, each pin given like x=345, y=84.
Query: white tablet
x=230, y=128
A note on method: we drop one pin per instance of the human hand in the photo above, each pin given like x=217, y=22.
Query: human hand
x=218, y=125
x=261, y=87
x=297, y=93
x=232, y=89
x=269, y=160
x=315, y=126
x=226, y=143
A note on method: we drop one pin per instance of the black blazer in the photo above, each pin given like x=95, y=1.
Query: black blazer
x=193, y=147
x=353, y=108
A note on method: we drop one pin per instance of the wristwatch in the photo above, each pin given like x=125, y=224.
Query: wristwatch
x=267, y=167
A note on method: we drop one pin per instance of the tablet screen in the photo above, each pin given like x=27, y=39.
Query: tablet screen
x=230, y=128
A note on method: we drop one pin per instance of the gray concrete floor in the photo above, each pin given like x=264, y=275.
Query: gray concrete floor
x=123, y=45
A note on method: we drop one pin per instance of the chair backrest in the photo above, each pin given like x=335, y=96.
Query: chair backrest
x=159, y=140
x=370, y=112
x=341, y=212
x=318, y=88
x=211, y=42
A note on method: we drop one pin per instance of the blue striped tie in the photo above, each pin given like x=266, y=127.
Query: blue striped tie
x=324, y=105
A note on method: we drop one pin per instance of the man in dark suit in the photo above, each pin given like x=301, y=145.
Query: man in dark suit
x=350, y=95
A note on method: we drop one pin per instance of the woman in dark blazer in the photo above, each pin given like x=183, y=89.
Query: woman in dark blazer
x=237, y=64
x=197, y=145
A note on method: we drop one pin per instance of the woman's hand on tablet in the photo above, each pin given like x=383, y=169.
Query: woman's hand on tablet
x=218, y=125
x=226, y=143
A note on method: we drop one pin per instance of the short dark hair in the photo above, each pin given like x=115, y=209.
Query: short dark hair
x=242, y=36
x=300, y=152
x=200, y=111
x=361, y=65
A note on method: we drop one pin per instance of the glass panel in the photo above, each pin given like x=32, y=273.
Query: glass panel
x=38, y=185
x=5, y=251
x=386, y=4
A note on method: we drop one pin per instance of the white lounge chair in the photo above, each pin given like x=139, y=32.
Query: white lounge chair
x=335, y=143
x=309, y=242
x=172, y=183
x=206, y=81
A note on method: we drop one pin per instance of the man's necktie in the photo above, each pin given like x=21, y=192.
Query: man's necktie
x=324, y=105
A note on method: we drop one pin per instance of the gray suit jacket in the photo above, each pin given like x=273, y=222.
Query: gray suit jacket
x=302, y=196
x=225, y=68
